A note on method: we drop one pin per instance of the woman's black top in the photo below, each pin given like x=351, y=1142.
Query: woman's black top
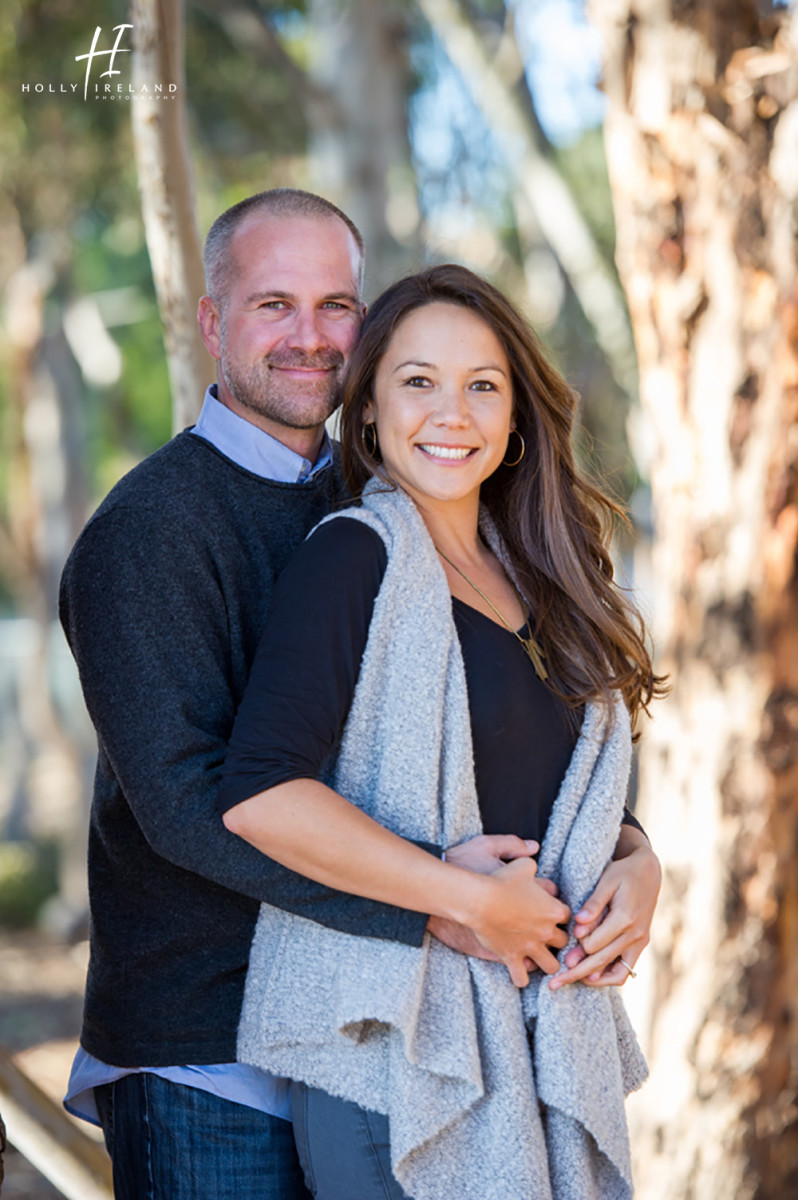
x=304, y=676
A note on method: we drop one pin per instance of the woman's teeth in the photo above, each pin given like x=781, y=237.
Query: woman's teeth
x=446, y=451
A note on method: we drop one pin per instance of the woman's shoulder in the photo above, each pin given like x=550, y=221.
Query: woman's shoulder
x=340, y=554
x=349, y=533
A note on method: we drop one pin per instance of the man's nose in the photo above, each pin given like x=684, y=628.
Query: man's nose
x=306, y=332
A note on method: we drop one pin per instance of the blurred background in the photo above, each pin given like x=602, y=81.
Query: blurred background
x=628, y=172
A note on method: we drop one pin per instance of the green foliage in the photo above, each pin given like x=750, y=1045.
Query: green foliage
x=69, y=188
x=241, y=105
x=28, y=877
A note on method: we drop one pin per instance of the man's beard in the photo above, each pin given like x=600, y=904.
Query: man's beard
x=294, y=403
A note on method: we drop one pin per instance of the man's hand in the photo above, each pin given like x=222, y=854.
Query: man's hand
x=459, y=938
x=615, y=921
x=487, y=852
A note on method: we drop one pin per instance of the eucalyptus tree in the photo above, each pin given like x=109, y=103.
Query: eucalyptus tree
x=702, y=140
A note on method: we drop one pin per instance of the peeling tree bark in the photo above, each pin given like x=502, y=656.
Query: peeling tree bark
x=702, y=142
x=167, y=199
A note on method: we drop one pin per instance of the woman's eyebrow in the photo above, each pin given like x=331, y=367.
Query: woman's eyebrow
x=489, y=367
x=414, y=362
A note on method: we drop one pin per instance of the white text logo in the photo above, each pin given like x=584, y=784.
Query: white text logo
x=95, y=53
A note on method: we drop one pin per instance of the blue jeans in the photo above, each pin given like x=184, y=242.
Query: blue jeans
x=172, y=1142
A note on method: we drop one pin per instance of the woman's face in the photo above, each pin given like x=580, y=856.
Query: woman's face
x=443, y=403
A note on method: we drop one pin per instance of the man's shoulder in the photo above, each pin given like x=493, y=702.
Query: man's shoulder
x=152, y=505
x=188, y=498
x=183, y=461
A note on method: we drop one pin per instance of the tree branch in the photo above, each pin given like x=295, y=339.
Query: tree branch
x=550, y=198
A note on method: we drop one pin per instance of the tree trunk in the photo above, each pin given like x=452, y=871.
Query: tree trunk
x=47, y=508
x=702, y=141
x=359, y=146
x=167, y=198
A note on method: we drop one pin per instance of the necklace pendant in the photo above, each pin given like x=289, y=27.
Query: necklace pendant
x=535, y=654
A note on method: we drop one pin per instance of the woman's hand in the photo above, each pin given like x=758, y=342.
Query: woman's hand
x=311, y=829
x=520, y=920
x=615, y=921
x=485, y=854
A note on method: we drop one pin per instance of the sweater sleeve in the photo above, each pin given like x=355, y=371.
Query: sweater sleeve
x=630, y=819
x=147, y=621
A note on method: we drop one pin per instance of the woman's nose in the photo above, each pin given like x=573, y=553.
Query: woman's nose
x=453, y=407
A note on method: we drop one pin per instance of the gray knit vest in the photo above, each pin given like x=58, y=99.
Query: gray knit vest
x=437, y=1041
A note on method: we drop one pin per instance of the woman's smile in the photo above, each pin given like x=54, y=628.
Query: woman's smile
x=443, y=404
x=447, y=454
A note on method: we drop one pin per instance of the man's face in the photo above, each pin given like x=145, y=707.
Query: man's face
x=290, y=318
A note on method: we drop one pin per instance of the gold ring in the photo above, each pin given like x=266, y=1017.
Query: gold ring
x=632, y=974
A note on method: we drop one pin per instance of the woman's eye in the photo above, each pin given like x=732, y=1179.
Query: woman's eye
x=483, y=385
x=417, y=381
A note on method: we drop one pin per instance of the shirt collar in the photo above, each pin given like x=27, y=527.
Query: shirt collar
x=254, y=449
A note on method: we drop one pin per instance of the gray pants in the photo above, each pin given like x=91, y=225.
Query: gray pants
x=344, y=1150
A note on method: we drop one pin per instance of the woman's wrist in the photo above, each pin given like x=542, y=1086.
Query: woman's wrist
x=464, y=897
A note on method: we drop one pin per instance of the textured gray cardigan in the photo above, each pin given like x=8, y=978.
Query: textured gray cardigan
x=436, y=1040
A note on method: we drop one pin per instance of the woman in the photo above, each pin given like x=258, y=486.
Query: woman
x=448, y=659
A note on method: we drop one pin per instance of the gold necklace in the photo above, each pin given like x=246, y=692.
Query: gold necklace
x=530, y=644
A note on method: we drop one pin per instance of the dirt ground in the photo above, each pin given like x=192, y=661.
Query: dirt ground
x=41, y=997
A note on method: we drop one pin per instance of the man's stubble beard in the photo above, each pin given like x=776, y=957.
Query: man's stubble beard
x=292, y=403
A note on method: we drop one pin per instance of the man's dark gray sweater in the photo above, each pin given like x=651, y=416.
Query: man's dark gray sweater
x=162, y=601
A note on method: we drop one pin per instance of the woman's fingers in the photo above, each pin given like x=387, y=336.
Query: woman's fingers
x=614, y=975
x=518, y=971
x=593, y=969
x=559, y=939
x=546, y=961
x=522, y=920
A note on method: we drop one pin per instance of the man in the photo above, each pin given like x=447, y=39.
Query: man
x=162, y=601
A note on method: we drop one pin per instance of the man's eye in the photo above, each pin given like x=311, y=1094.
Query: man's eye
x=273, y=304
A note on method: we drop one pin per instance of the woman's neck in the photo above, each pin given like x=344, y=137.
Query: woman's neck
x=454, y=528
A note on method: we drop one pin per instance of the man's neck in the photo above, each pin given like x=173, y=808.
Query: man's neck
x=304, y=442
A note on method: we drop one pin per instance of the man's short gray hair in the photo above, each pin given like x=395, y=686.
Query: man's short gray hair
x=278, y=202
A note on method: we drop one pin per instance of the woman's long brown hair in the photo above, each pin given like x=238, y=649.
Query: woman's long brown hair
x=555, y=524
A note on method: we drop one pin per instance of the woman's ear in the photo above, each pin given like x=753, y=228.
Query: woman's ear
x=368, y=413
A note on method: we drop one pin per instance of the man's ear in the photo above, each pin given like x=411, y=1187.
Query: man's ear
x=210, y=325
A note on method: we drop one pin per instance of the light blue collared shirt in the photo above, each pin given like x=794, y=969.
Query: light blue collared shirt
x=250, y=447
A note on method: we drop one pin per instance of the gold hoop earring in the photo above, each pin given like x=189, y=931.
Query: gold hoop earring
x=370, y=451
x=516, y=461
